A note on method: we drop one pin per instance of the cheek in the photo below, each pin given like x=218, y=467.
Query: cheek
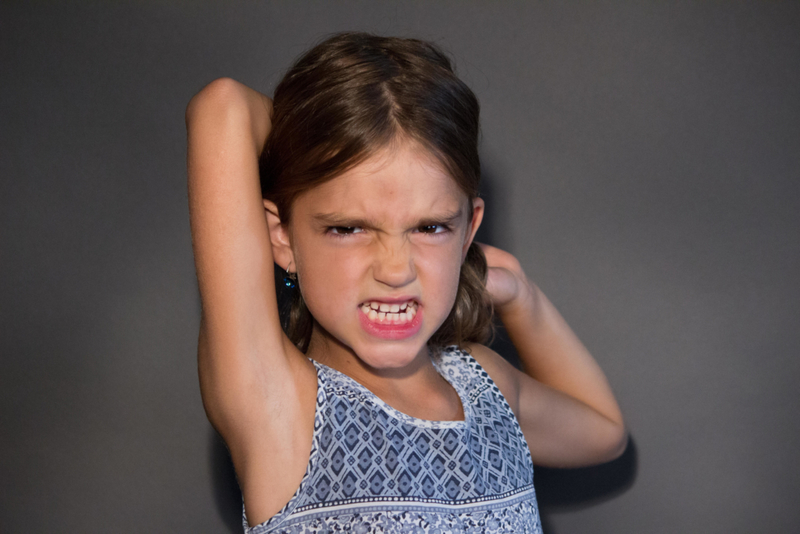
x=327, y=274
x=442, y=269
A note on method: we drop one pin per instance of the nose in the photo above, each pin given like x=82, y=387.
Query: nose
x=394, y=263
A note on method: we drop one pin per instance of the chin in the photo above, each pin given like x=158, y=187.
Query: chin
x=390, y=356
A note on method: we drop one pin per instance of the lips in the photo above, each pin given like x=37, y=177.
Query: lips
x=397, y=319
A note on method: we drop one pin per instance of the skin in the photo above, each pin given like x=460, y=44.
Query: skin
x=395, y=227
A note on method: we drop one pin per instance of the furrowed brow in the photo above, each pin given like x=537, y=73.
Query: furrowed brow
x=335, y=219
x=445, y=218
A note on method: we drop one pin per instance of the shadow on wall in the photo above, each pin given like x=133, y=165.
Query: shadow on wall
x=495, y=225
x=227, y=496
x=563, y=490
x=569, y=489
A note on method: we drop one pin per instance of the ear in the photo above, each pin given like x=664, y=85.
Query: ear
x=474, y=224
x=279, y=237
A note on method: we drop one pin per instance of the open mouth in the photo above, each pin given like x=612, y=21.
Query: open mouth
x=389, y=314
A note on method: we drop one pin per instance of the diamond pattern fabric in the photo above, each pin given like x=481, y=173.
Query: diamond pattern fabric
x=375, y=469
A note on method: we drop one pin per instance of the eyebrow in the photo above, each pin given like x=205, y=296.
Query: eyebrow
x=335, y=219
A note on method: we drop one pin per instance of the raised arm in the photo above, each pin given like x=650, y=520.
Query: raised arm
x=245, y=361
x=563, y=401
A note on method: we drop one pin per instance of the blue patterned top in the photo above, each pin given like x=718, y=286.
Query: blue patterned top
x=375, y=469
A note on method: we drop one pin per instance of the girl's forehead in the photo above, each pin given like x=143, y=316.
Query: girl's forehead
x=404, y=177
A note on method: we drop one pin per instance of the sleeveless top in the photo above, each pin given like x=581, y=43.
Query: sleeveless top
x=375, y=469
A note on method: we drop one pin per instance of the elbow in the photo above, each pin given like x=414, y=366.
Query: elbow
x=607, y=441
x=614, y=443
x=214, y=95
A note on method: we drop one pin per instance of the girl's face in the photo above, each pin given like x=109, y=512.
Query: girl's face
x=378, y=252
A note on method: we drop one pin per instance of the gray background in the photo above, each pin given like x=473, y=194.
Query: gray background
x=641, y=159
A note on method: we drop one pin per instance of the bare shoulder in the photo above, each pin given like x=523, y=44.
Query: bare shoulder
x=500, y=371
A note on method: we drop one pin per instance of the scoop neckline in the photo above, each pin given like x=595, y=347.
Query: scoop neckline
x=402, y=416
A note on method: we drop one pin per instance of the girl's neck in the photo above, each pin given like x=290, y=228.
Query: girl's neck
x=328, y=350
x=416, y=389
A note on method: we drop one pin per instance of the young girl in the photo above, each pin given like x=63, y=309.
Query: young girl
x=378, y=410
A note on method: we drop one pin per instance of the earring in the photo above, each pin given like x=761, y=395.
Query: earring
x=290, y=280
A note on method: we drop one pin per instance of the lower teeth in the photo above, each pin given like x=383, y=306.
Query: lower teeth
x=387, y=317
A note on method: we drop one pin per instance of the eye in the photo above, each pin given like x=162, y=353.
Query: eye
x=344, y=230
x=433, y=229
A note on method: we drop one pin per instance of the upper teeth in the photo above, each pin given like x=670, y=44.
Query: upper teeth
x=382, y=306
x=381, y=311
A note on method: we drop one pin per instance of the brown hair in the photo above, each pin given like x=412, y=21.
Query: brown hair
x=347, y=98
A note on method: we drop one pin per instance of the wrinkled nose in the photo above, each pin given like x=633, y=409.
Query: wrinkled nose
x=394, y=264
